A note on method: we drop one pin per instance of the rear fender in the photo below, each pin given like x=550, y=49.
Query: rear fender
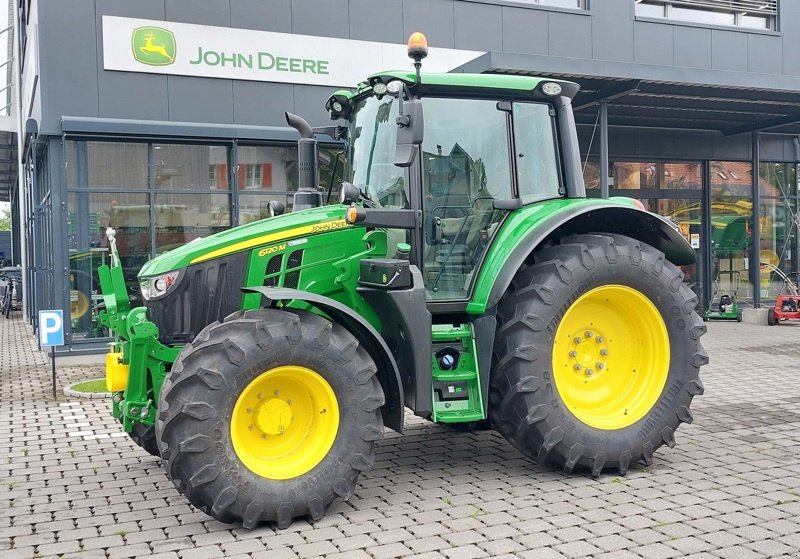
x=366, y=335
x=632, y=222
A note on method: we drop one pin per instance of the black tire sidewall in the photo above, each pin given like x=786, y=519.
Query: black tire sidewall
x=661, y=283
x=330, y=362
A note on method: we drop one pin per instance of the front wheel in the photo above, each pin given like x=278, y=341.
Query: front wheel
x=597, y=354
x=269, y=416
x=771, y=317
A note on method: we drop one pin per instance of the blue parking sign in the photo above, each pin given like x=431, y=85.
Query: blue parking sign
x=51, y=328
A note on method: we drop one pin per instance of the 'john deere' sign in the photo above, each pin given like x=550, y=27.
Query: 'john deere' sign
x=164, y=47
x=153, y=45
x=261, y=61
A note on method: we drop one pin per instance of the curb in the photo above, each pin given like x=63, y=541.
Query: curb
x=68, y=391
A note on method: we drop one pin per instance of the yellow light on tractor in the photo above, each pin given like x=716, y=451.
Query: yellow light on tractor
x=417, y=46
x=352, y=214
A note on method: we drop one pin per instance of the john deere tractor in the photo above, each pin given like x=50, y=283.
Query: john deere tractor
x=462, y=275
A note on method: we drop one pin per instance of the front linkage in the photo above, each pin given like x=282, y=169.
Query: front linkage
x=137, y=363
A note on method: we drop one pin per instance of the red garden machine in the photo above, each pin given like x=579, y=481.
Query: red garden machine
x=787, y=305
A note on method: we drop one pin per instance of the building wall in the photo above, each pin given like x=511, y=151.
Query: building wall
x=75, y=84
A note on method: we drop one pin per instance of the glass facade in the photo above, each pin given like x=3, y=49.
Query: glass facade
x=157, y=196
x=731, y=235
x=779, y=227
x=676, y=190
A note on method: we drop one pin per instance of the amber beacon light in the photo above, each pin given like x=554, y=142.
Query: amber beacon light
x=417, y=46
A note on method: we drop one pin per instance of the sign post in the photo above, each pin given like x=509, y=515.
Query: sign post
x=51, y=333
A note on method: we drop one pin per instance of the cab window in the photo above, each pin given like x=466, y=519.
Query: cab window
x=536, y=152
x=465, y=167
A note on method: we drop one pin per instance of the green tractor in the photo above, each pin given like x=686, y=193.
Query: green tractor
x=463, y=275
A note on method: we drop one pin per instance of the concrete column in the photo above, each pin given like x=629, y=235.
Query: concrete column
x=604, y=148
x=755, y=253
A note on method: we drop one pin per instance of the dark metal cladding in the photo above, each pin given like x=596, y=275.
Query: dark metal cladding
x=207, y=292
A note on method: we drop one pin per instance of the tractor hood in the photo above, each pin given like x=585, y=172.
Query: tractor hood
x=246, y=237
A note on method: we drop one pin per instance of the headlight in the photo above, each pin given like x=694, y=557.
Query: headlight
x=158, y=286
x=551, y=89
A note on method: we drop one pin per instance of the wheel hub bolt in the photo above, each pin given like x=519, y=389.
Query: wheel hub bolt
x=578, y=367
x=601, y=366
x=599, y=339
x=589, y=372
x=588, y=334
x=573, y=353
x=603, y=352
x=578, y=340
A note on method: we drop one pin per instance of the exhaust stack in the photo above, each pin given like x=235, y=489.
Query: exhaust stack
x=308, y=194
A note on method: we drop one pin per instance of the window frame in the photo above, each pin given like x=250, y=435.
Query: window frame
x=738, y=14
x=583, y=9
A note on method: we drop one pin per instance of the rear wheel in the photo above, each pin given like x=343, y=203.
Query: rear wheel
x=597, y=354
x=269, y=416
x=145, y=437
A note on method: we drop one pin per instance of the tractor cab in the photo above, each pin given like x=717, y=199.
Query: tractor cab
x=454, y=160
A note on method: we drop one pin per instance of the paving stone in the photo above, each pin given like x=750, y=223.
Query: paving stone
x=727, y=490
x=275, y=553
x=465, y=552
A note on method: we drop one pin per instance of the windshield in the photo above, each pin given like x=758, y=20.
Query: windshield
x=371, y=148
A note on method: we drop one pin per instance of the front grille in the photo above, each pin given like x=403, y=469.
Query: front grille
x=292, y=279
x=272, y=275
x=205, y=293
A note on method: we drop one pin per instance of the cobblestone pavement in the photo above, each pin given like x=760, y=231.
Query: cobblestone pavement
x=72, y=484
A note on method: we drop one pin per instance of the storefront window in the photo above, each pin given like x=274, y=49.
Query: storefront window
x=731, y=214
x=591, y=176
x=778, y=251
x=88, y=216
x=160, y=196
x=681, y=176
x=111, y=165
x=180, y=218
x=179, y=166
x=633, y=176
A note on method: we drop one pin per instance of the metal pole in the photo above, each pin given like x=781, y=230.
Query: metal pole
x=604, y=148
x=53, y=362
x=755, y=259
x=706, y=262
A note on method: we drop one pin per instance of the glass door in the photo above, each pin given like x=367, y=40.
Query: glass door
x=731, y=235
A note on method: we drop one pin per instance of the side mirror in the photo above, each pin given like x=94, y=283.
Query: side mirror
x=410, y=127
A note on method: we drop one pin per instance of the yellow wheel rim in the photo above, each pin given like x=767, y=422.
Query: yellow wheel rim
x=611, y=357
x=79, y=306
x=284, y=422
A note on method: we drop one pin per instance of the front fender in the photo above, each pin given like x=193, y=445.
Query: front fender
x=585, y=216
x=367, y=336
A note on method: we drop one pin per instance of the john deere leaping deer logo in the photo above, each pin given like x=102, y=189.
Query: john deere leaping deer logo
x=153, y=46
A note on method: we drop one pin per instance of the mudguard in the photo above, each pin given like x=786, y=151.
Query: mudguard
x=367, y=336
x=632, y=222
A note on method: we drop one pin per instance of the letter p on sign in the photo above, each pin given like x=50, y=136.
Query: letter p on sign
x=51, y=328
